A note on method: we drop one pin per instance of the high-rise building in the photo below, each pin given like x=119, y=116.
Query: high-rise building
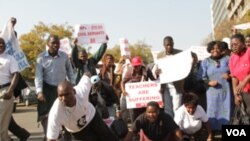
x=237, y=8
x=228, y=10
x=218, y=12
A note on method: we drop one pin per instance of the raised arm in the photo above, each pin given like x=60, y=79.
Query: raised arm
x=74, y=56
x=100, y=52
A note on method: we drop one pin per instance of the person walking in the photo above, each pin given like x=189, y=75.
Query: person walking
x=14, y=128
x=8, y=80
x=53, y=67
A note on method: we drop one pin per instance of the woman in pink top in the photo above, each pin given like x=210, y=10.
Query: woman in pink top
x=239, y=65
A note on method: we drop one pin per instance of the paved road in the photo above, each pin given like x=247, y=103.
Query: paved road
x=27, y=118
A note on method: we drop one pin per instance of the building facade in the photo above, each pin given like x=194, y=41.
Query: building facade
x=222, y=10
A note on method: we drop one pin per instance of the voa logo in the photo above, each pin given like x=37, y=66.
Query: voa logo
x=236, y=132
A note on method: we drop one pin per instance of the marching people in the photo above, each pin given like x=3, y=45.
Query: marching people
x=14, y=128
x=52, y=67
x=8, y=80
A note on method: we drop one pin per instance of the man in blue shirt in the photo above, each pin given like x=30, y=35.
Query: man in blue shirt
x=53, y=67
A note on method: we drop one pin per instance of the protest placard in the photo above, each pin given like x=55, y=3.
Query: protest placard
x=140, y=93
x=90, y=34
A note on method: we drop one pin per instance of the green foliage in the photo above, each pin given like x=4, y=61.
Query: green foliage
x=138, y=49
x=34, y=42
x=225, y=28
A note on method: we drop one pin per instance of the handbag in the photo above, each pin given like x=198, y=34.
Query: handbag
x=21, y=84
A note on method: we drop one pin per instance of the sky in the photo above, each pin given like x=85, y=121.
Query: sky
x=187, y=21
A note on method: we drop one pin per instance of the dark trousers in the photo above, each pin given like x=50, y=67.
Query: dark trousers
x=246, y=100
x=18, y=131
x=96, y=130
x=44, y=123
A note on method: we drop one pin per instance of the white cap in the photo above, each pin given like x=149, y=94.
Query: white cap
x=94, y=79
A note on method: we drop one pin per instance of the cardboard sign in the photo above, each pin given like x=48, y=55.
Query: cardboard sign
x=201, y=52
x=140, y=93
x=65, y=46
x=124, y=47
x=175, y=67
x=90, y=34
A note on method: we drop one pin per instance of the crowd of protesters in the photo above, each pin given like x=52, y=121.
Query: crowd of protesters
x=75, y=100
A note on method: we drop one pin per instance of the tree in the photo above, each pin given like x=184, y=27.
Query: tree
x=208, y=39
x=143, y=50
x=224, y=29
x=34, y=42
x=138, y=49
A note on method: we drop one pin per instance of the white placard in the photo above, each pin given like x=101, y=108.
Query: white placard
x=12, y=46
x=201, y=52
x=90, y=34
x=65, y=46
x=124, y=47
x=140, y=93
x=175, y=67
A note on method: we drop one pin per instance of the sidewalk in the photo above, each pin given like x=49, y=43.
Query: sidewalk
x=26, y=117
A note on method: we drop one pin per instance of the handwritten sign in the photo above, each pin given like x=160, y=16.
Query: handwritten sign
x=90, y=34
x=140, y=93
x=124, y=47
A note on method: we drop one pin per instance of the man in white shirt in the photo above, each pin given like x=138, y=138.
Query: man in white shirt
x=73, y=110
x=8, y=80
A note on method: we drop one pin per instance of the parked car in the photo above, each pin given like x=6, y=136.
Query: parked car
x=29, y=96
